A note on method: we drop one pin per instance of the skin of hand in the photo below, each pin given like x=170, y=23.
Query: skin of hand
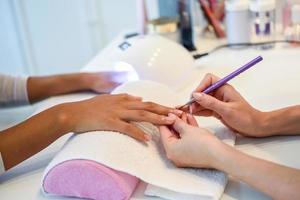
x=190, y=146
x=104, y=112
x=227, y=105
x=42, y=87
x=183, y=139
x=104, y=82
x=114, y=112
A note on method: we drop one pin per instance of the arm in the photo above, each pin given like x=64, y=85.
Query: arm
x=197, y=147
x=277, y=181
x=39, y=88
x=235, y=112
x=285, y=121
x=26, y=139
x=114, y=112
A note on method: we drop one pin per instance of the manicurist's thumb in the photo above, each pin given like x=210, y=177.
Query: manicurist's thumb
x=180, y=126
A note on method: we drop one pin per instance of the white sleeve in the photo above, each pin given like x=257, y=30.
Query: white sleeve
x=2, y=169
x=13, y=90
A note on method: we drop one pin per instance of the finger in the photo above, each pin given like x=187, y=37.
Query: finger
x=210, y=103
x=132, y=131
x=184, y=117
x=128, y=97
x=177, y=135
x=119, y=77
x=146, y=116
x=204, y=113
x=191, y=120
x=166, y=135
x=180, y=126
x=167, y=138
x=196, y=107
x=192, y=108
x=207, y=81
x=154, y=108
x=184, y=108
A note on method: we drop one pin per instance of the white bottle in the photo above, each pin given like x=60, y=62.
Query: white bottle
x=263, y=21
x=237, y=21
x=296, y=22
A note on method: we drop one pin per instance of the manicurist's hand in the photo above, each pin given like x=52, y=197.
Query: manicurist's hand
x=188, y=145
x=229, y=106
x=114, y=112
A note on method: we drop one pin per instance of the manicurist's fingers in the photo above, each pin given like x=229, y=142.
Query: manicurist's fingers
x=180, y=126
x=210, y=103
x=204, y=113
x=191, y=120
x=167, y=137
x=207, y=81
x=184, y=117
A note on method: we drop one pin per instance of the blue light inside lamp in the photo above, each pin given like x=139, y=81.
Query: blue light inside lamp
x=125, y=67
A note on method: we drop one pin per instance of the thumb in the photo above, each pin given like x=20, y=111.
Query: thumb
x=180, y=126
x=210, y=103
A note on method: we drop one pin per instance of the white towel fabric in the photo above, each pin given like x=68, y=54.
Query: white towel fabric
x=147, y=162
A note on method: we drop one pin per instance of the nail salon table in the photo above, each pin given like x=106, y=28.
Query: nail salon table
x=272, y=84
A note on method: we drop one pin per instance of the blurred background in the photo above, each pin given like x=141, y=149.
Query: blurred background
x=56, y=36
x=41, y=37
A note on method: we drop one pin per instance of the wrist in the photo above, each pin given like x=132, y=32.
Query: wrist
x=86, y=80
x=224, y=158
x=217, y=154
x=64, y=119
x=266, y=124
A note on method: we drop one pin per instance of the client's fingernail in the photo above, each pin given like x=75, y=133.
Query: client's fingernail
x=178, y=112
x=197, y=95
x=137, y=97
x=147, y=137
x=170, y=118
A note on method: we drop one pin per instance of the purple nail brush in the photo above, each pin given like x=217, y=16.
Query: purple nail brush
x=227, y=78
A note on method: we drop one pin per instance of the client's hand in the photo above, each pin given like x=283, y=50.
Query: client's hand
x=229, y=106
x=188, y=145
x=43, y=87
x=104, y=82
x=114, y=112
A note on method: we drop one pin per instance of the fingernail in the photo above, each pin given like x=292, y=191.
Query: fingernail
x=170, y=118
x=172, y=115
x=147, y=137
x=197, y=95
x=190, y=109
x=178, y=112
x=137, y=97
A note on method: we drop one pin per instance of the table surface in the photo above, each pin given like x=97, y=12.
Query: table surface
x=272, y=84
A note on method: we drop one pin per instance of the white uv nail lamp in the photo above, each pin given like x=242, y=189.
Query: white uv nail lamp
x=154, y=58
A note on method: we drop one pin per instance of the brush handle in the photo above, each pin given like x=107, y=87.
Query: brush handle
x=227, y=78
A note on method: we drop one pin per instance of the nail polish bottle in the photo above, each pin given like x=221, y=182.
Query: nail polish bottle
x=185, y=23
x=263, y=21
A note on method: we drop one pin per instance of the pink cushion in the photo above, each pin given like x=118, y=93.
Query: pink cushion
x=89, y=179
